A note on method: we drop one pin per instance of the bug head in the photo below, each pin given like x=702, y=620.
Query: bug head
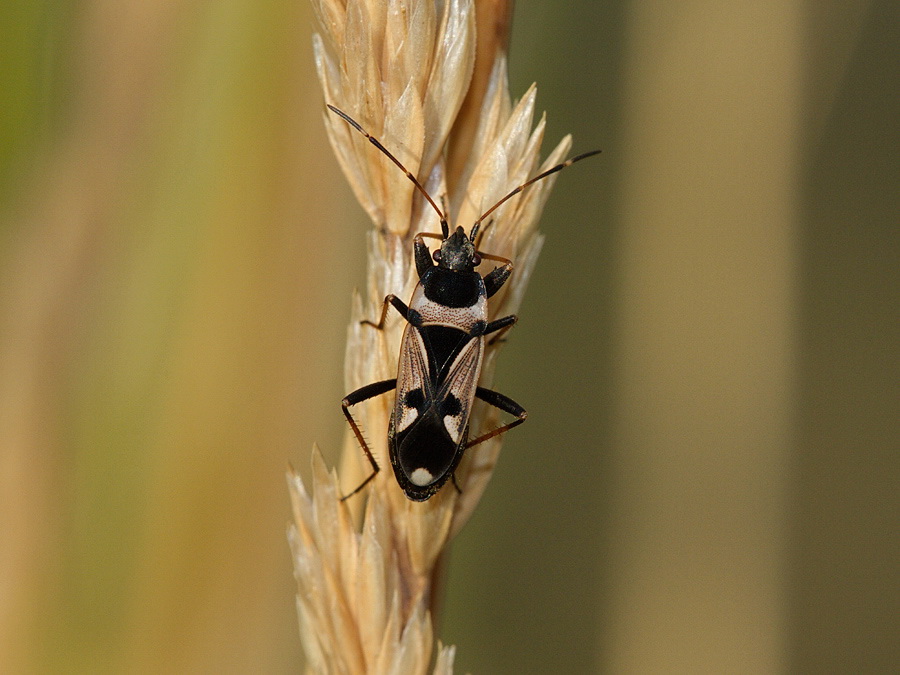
x=457, y=253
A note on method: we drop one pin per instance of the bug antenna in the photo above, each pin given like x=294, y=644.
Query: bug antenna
x=540, y=176
x=445, y=228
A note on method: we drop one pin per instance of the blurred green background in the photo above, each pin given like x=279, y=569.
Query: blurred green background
x=708, y=481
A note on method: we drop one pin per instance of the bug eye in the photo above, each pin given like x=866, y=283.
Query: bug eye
x=436, y=255
x=476, y=260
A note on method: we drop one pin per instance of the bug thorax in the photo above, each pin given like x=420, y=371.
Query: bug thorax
x=457, y=253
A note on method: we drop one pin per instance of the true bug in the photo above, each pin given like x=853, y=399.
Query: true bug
x=441, y=351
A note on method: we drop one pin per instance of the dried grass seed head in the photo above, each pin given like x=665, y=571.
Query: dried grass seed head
x=401, y=68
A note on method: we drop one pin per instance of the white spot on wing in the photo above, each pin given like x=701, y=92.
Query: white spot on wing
x=408, y=415
x=461, y=382
x=413, y=374
x=421, y=477
x=454, y=426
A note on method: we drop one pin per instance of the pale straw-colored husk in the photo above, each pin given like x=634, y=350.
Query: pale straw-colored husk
x=366, y=567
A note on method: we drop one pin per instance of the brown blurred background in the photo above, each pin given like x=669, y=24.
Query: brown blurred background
x=708, y=479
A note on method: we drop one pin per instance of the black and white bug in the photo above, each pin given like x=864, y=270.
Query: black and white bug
x=441, y=351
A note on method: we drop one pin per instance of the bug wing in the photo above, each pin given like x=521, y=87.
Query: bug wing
x=414, y=389
x=456, y=393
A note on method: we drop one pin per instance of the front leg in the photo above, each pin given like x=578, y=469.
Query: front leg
x=495, y=279
x=421, y=253
x=398, y=304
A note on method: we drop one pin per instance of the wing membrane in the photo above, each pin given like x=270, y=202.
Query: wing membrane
x=454, y=398
x=414, y=391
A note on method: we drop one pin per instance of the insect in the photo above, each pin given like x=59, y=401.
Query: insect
x=441, y=351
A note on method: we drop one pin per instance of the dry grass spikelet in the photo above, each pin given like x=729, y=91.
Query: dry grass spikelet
x=402, y=69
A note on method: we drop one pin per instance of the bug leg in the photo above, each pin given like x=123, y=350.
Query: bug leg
x=505, y=404
x=398, y=304
x=421, y=253
x=455, y=484
x=495, y=279
x=358, y=396
x=500, y=326
x=433, y=235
